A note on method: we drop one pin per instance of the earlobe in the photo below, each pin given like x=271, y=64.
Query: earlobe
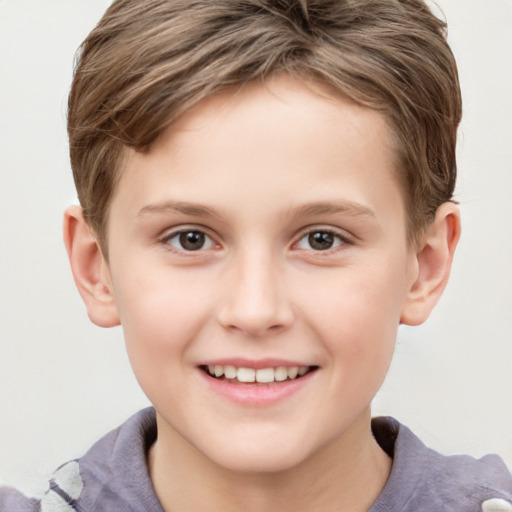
x=433, y=264
x=90, y=270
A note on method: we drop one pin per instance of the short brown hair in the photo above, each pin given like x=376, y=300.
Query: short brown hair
x=148, y=61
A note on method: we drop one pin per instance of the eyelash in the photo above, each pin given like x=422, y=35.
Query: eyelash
x=166, y=240
x=343, y=240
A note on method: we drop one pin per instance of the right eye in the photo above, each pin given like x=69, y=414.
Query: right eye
x=189, y=240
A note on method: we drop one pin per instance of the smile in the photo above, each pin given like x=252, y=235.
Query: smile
x=260, y=375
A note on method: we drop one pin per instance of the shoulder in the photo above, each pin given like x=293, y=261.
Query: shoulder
x=112, y=475
x=424, y=480
x=64, y=488
x=12, y=500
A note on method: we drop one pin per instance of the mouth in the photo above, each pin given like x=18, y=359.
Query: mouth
x=247, y=375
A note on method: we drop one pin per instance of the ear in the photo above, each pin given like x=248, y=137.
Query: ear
x=433, y=261
x=90, y=269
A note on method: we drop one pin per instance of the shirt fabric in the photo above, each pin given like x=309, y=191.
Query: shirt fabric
x=113, y=476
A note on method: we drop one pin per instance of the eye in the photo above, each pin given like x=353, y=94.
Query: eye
x=321, y=240
x=189, y=240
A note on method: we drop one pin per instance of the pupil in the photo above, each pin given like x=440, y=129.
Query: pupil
x=321, y=240
x=192, y=240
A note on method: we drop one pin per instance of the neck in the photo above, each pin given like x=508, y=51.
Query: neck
x=347, y=474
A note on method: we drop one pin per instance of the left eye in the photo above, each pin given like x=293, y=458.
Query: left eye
x=191, y=240
x=320, y=240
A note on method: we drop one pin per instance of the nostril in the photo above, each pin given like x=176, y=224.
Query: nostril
x=253, y=302
x=253, y=325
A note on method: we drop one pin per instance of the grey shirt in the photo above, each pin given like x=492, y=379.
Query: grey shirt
x=113, y=476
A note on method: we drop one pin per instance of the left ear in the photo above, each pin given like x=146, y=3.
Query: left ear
x=433, y=260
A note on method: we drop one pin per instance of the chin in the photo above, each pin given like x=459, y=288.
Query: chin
x=258, y=464
x=257, y=457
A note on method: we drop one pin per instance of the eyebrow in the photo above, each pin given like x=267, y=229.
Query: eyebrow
x=166, y=207
x=316, y=208
x=334, y=207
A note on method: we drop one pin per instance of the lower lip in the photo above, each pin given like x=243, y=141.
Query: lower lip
x=257, y=395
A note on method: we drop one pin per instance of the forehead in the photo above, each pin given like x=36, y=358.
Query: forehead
x=280, y=100
x=281, y=142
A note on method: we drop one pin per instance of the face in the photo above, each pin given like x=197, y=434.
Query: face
x=259, y=265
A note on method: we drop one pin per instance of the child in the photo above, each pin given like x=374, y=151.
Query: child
x=266, y=194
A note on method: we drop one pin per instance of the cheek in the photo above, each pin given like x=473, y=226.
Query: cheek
x=358, y=320
x=161, y=314
x=366, y=299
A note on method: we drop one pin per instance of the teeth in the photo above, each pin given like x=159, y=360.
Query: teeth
x=262, y=375
x=265, y=375
x=281, y=373
x=292, y=372
x=246, y=374
x=230, y=372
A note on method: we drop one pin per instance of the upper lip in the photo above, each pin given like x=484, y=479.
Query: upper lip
x=257, y=364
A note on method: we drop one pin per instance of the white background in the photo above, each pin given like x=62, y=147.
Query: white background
x=65, y=382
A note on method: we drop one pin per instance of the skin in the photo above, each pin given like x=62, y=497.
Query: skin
x=257, y=173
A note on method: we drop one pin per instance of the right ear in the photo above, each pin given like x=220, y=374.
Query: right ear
x=90, y=269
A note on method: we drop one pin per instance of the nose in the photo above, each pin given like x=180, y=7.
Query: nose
x=254, y=301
